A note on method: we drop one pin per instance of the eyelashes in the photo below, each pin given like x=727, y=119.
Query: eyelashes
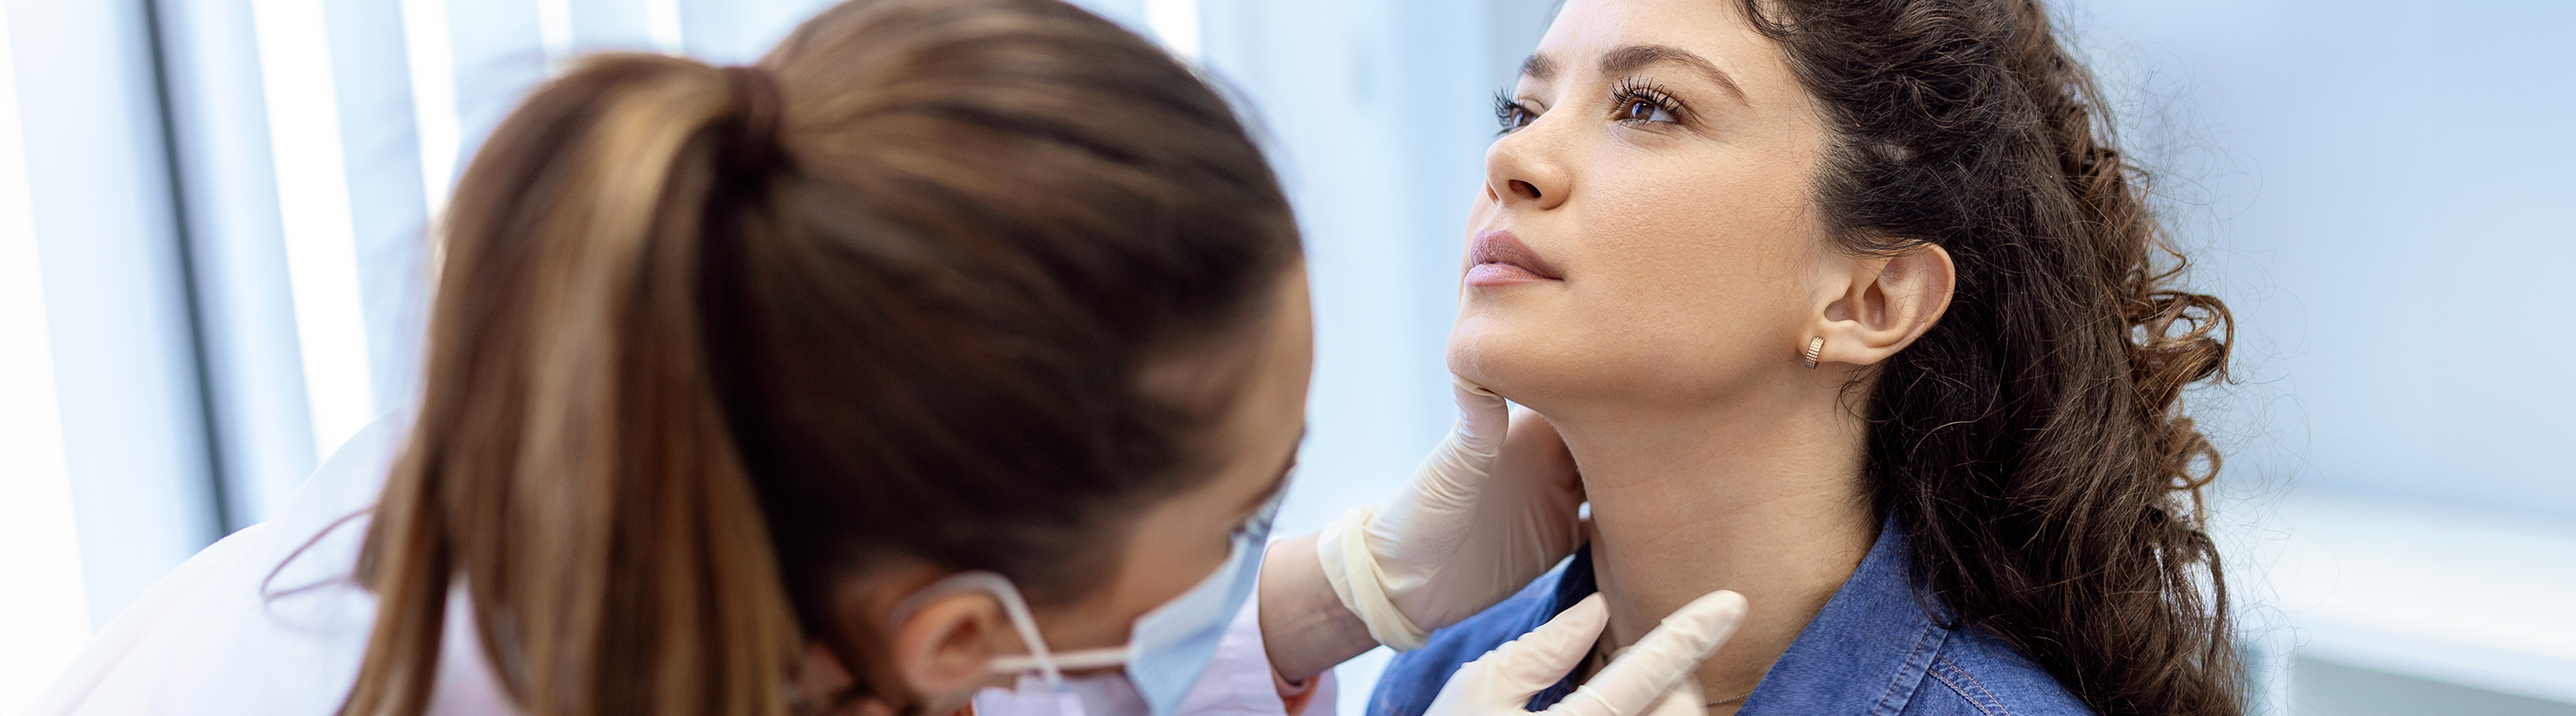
x=1634, y=100
x=1510, y=113
x=1637, y=99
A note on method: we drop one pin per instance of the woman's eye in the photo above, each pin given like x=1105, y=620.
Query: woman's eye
x=1641, y=101
x=1642, y=110
x=1511, y=114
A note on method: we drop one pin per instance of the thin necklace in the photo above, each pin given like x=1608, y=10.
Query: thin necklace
x=1723, y=702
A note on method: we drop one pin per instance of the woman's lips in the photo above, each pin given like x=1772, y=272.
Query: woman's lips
x=1497, y=258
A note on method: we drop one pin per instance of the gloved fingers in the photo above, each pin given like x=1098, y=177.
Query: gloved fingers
x=1537, y=660
x=1412, y=539
x=1454, y=474
x=1641, y=675
x=1676, y=646
x=1483, y=417
x=1496, y=446
x=1475, y=529
x=1684, y=699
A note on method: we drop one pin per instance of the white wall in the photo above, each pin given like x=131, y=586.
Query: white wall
x=2376, y=188
x=122, y=355
x=103, y=471
x=44, y=614
x=2381, y=190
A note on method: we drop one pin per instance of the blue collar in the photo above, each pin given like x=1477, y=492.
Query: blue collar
x=1874, y=631
x=1878, y=647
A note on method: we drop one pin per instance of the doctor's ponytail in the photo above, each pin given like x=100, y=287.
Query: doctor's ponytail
x=708, y=341
x=571, y=462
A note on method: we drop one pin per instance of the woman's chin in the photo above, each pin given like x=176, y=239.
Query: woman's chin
x=1507, y=361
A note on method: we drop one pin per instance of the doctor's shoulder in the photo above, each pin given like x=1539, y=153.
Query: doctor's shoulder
x=266, y=620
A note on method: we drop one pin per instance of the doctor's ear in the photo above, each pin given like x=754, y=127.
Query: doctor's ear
x=944, y=651
x=931, y=662
x=1877, y=305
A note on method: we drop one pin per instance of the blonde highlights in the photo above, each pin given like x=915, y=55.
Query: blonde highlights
x=571, y=459
x=708, y=341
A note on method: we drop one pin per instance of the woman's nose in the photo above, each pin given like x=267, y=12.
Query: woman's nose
x=1521, y=172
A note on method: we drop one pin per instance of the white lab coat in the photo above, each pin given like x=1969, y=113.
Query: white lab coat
x=243, y=629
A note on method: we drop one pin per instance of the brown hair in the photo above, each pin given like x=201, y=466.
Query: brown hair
x=2032, y=445
x=708, y=341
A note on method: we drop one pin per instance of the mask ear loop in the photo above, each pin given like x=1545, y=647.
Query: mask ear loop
x=1013, y=606
x=1017, y=610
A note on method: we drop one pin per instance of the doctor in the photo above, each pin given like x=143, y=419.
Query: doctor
x=956, y=354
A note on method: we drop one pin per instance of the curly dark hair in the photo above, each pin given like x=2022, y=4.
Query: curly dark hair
x=2032, y=445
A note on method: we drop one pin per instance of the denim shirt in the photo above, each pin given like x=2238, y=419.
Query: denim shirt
x=1873, y=650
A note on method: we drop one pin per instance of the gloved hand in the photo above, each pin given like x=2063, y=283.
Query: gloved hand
x=1650, y=678
x=1489, y=510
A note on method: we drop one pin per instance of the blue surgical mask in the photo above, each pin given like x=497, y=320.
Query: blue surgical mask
x=1166, y=649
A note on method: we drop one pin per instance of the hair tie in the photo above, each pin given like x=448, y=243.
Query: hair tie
x=751, y=147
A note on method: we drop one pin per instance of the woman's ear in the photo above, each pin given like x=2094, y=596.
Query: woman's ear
x=1887, y=302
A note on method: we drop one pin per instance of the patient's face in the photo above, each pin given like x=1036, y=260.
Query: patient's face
x=1656, y=171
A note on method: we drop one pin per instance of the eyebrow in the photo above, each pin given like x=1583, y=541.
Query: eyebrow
x=1635, y=57
x=1538, y=67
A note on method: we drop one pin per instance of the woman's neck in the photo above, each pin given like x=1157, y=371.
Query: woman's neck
x=1761, y=496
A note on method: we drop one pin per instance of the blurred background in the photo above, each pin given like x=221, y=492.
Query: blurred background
x=212, y=265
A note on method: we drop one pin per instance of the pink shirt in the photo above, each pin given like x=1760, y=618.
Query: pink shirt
x=1240, y=682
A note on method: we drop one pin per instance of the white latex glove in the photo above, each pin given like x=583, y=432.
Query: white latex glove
x=1650, y=678
x=1492, y=508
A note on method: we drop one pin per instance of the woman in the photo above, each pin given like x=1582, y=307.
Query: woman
x=958, y=341
x=1852, y=307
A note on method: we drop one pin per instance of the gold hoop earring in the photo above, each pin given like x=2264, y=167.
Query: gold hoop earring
x=1815, y=350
